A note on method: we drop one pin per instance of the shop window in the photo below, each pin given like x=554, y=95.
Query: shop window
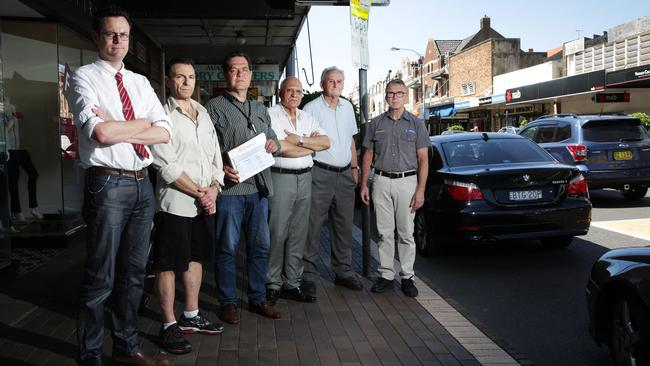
x=45, y=180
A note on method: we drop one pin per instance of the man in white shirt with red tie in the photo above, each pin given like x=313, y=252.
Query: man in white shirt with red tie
x=117, y=114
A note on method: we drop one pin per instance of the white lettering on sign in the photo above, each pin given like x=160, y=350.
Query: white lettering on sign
x=643, y=73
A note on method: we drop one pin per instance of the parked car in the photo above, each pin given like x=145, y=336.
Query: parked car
x=618, y=298
x=610, y=151
x=509, y=129
x=492, y=186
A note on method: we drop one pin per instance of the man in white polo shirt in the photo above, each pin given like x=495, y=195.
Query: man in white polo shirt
x=334, y=177
x=300, y=136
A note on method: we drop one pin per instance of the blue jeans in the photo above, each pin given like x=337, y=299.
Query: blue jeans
x=250, y=213
x=118, y=212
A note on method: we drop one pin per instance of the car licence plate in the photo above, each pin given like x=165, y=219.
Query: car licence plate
x=623, y=155
x=525, y=195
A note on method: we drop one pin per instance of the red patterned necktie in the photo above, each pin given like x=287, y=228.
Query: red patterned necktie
x=127, y=108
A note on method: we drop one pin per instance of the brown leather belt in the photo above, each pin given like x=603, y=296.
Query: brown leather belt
x=137, y=174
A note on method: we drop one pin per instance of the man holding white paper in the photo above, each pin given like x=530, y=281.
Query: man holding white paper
x=243, y=204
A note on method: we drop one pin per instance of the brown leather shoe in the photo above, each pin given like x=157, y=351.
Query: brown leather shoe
x=229, y=314
x=139, y=359
x=265, y=309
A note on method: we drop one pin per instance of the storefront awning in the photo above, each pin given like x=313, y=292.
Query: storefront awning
x=576, y=84
x=637, y=77
x=442, y=111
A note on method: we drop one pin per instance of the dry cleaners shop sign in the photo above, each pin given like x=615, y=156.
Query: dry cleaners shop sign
x=265, y=72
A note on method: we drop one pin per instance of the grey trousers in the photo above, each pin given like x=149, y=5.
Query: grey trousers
x=288, y=218
x=332, y=198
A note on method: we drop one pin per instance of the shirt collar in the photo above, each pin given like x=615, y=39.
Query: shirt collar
x=408, y=116
x=103, y=65
x=327, y=105
x=174, y=105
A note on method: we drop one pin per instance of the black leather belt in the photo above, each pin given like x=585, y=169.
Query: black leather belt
x=137, y=174
x=331, y=167
x=392, y=175
x=290, y=171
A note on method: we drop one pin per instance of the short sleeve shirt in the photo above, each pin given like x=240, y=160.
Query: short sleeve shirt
x=395, y=142
x=305, y=126
x=340, y=125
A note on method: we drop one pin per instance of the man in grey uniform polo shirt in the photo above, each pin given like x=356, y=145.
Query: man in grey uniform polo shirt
x=299, y=136
x=334, y=177
x=398, y=142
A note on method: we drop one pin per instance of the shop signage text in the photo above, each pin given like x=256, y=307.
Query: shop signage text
x=612, y=97
x=486, y=100
x=511, y=95
x=266, y=72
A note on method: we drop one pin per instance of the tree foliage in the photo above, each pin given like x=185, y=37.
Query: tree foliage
x=455, y=128
x=644, y=117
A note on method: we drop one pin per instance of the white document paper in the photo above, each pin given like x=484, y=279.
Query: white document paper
x=251, y=157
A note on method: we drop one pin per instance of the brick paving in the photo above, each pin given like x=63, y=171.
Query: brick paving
x=38, y=312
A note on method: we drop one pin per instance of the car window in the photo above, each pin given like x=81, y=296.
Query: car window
x=493, y=151
x=545, y=134
x=529, y=133
x=562, y=132
x=614, y=130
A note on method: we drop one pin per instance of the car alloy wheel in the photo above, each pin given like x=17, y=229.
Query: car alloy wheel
x=426, y=243
x=630, y=322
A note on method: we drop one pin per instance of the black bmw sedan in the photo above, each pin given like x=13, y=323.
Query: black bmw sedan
x=494, y=186
x=618, y=296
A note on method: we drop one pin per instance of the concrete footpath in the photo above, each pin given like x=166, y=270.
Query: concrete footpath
x=38, y=316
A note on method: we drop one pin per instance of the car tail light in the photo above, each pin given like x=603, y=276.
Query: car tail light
x=578, y=187
x=578, y=152
x=464, y=191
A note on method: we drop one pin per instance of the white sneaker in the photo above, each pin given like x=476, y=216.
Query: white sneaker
x=37, y=215
x=18, y=217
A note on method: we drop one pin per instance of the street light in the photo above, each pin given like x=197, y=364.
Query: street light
x=421, y=62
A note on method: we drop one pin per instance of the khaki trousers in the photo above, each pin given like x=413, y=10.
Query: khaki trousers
x=391, y=199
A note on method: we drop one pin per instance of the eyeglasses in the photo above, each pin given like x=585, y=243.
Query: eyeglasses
x=112, y=35
x=398, y=94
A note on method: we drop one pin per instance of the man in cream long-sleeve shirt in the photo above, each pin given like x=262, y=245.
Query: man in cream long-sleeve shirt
x=190, y=172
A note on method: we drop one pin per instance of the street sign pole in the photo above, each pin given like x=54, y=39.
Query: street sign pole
x=359, y=13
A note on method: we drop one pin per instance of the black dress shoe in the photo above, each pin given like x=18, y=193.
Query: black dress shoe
x=381, y=285
x=352, y=282
x=138, y=359
x=272, y=296
x=308, y=287
x=265, y=309
x=297, y=294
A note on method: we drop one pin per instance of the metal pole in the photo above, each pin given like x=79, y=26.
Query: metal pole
x=365, y=209
x=423, y=88
x=290, y=69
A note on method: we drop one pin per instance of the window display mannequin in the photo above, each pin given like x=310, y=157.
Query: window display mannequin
x=19, y=158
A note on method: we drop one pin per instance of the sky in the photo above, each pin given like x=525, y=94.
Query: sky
x=541, y=25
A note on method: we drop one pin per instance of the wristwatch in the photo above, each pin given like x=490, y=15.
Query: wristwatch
x=302, y=141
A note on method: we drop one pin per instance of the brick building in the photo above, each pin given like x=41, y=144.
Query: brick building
x=475, y=62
